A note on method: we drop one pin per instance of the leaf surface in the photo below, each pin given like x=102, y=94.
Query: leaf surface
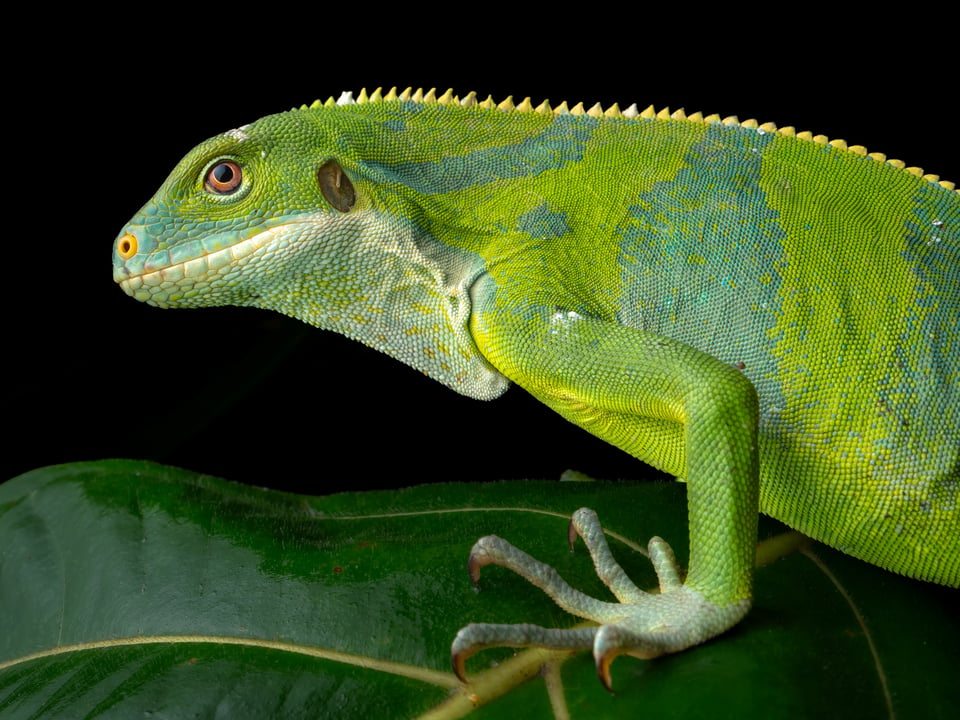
x=130, y=589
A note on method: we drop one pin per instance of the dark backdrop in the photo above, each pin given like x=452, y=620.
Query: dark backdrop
x=96, y=118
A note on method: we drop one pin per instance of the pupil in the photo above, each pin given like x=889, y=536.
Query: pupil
x=223, y=174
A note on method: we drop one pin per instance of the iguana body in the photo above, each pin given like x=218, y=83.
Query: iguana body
x=747, y=308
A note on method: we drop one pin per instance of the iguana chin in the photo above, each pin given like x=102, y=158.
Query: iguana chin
x=768, y=315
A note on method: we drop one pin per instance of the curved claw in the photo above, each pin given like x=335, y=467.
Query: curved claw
x=614, y=640
x=473, y=567
x=458, y=660
x=603, y=663
x=488, y=550
x=467, y=642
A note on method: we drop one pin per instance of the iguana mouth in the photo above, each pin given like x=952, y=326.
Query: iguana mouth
x=156, y=284
x=204, y=257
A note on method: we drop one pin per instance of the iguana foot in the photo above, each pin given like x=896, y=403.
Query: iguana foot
x=641, y=624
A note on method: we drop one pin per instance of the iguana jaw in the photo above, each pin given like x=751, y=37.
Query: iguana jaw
x=160, y=278
x=328, y=286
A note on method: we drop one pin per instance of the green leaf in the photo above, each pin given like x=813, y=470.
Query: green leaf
x=130, y=589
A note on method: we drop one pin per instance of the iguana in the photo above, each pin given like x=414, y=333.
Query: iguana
x=768, y=315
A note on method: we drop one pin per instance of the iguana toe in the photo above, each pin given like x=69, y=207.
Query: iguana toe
x=644, y=625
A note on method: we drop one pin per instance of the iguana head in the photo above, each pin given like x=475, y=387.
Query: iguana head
x=287, y=214
x=220, y=229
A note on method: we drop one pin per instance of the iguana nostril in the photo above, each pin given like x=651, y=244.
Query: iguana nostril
x=127, y=246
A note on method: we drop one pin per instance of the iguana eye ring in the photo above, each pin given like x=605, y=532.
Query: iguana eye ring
x=223, y=178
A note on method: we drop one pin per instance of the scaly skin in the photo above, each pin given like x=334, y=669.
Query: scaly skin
x=769, y=316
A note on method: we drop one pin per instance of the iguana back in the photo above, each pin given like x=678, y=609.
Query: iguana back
x=833, y=281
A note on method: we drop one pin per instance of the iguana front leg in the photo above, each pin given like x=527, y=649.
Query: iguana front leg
x=675, y=407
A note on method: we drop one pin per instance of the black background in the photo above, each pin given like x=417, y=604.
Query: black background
x=98, y=111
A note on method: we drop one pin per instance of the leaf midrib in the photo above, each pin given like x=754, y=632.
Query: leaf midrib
x=433, y=677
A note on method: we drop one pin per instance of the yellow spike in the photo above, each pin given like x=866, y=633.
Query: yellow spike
x=948, y=185
x=712, y=119
x=417, y=95
x=377, y=96
x=362, y=97
x=896, y=163
x=596, y=111
x=525, y=106
x=391, y=96
x=821, y=139
x=839, y=144
x=330, y=102
x=857, y=149
x=488, y=104
x=789, y=131
x=406, y=94
x=751, y=124
x=678, y=115
x=650, y=113
x=578, y=109
x=697, y=117
x=316, y=104
x=507, y=104
x=447, y=98
x=544, y=108
x=731, y=120
x=931, y=177
x=805, y=135
x=613, y=112
x=431, y=97
x=470, y=100
x=918, y=172
x=879, y=157
x=561, y=109
x=664, y=114
x=768, y=127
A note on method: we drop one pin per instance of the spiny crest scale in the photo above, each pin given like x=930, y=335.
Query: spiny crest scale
x=612, y=112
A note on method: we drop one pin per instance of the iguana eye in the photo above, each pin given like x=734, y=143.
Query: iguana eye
x=336, y=186
x=223, y=178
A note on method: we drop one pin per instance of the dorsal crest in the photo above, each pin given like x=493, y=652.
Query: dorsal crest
x=430, y=97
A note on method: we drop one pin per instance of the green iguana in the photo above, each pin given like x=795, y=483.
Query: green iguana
x=771, y=316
